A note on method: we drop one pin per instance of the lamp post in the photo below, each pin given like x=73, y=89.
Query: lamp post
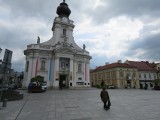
x=1, y=74
x=0, y=50
x=0, y=63
x=4, y=69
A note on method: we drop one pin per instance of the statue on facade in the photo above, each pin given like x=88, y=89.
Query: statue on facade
x=38, y=40
x=84, y=46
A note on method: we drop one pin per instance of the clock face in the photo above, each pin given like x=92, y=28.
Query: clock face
x=64, y=19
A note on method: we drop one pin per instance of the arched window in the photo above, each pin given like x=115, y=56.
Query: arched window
x=43, y=65
x=27, y=66
x=64, y=32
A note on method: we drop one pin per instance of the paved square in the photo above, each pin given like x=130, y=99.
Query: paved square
x=127, y=104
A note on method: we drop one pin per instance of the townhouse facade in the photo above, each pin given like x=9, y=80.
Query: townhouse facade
x=130, y=74
x=120, y=75
x=147, y=72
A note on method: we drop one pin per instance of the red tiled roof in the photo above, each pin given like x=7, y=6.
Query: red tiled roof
x=113, y=65
x=142, y=65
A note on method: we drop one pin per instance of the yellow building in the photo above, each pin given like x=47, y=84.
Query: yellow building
x=120, y=75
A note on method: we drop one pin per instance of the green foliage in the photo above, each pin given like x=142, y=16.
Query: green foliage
x=106, y=86
x=97, y=86
x=38, y=78
x=156, y=81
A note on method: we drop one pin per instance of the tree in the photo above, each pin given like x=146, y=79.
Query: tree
x=38, y=78
x=157, y=82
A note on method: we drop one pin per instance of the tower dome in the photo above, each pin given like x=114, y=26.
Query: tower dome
x=63, y=10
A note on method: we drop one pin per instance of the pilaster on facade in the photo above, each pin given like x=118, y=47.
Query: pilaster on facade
x=71, y=69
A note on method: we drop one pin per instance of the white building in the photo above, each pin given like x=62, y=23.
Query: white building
x=59, y=59
x=147, y=72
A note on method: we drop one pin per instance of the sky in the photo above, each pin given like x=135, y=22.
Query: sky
x=111, y=29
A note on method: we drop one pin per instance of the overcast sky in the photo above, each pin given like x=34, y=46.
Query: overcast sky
x=111, y=29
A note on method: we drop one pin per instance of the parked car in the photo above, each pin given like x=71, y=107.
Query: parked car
x=111, y=87
x=36, y=87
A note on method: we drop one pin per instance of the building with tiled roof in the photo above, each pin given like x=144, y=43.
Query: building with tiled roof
x=121, y=75
x=147, y=72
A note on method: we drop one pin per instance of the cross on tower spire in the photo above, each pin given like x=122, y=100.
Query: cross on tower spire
x=63, y=1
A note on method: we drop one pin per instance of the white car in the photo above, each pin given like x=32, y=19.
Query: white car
x=44, y=86
x=111, y=87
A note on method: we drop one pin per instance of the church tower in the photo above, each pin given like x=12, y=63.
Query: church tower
x=60, y=59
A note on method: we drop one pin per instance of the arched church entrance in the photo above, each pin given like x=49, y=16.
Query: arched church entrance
x=63, y=80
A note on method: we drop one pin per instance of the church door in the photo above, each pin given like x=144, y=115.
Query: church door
x=63, y=80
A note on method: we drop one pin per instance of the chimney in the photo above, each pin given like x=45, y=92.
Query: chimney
x=106, y=63
x=119, y=61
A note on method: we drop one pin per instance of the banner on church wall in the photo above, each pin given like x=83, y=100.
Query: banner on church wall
x=36, y=70
x=49, y=70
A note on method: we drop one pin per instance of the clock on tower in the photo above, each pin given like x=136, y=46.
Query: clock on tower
x=64, y=19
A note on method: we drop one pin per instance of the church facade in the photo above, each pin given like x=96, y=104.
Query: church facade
x=59, y=59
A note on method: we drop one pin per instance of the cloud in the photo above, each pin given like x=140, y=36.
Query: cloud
x=133, y=9
x=147, y=48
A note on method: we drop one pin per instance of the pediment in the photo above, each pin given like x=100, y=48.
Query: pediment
x=65, y=48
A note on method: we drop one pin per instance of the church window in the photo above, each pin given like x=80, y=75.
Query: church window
x=43, y=65
x=27, y=66
x=62, y=64
x=79, y=67
x=64, y=32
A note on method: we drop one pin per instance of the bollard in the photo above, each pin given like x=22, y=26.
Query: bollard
x=4, y=103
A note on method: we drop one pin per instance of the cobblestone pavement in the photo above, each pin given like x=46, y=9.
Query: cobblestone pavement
x=127, y=104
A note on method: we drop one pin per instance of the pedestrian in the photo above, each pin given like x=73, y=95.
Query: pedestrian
x=60, y=84
x=102, y=83
x=105, y=98
x=146, y=86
